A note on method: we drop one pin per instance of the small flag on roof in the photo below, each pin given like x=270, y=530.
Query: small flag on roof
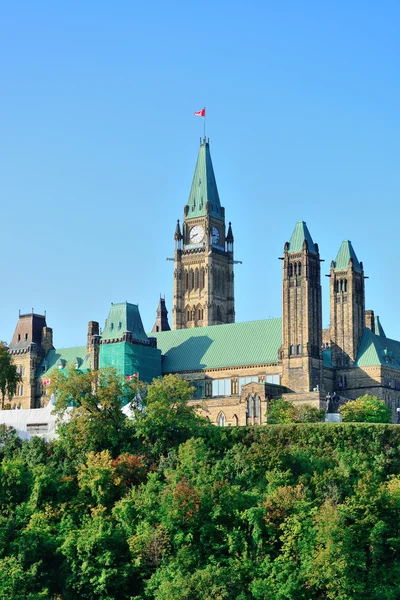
x=200, y=113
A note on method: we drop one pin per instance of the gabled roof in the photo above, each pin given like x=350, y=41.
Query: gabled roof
x=378, y=327
x=377, y=350
x=65, y=357
x=346, y=252
x=204, y=187
x=121, y=318
x=301, y=233
x=218, y=346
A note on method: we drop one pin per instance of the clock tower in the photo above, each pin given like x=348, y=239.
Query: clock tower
x=203, y=259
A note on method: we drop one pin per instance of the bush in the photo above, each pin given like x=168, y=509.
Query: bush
x=366, y=409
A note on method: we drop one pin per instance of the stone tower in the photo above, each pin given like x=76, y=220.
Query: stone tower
x=161, y=323
x=203, y=259
x=31, y=341
x=301, y=313
x=347, y=306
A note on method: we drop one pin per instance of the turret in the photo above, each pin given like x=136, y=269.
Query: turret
x=161, y=323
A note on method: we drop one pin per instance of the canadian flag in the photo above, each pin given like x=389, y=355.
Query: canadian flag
x=46, y=381
x=134, y=376
x=200, y=113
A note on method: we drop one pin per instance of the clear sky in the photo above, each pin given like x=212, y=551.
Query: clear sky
x=98, y=145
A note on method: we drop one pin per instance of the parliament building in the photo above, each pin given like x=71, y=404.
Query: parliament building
x=235, y=368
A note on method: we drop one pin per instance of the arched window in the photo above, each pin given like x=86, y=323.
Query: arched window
x=291, y=352
x=235, y=420
x=249, y=406
x=295, y=268
x=186, y=280
x=191, y=279
x=340, y=381
x=345, y=285
x=221, y=419
x=203, y=278
x=197, y=280
x=256, y=406
x=299, y=269
x=298, y=348
x=290, y=270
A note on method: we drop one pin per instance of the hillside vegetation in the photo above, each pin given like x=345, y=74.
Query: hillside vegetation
x=168, y=507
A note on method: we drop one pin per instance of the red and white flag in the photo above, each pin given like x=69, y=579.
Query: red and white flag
x=200, y=113
x=46, y=381
x=134, y=376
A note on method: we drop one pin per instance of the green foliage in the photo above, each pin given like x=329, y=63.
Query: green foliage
x=9, y=378
x=162, y=507
x=366, y=409
x=282, y=411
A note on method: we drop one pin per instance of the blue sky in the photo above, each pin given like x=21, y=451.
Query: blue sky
x=98, y=144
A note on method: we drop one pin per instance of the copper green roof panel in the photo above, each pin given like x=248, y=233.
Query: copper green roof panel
x=301, y=233
x=124, y=317
x=377, y=350
x=218, y=346
x=346, y=252
x=378, y=327
x=204, y=187
x=129, y=359
x=65, y=357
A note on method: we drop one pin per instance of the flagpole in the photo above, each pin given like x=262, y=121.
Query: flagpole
x=204, y=123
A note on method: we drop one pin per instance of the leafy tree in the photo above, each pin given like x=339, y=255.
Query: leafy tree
x=282, y=411
x=9, y=377
x=167, y=418
x=93, y=401
x=366, y=409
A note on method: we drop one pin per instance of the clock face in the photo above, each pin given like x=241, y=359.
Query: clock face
x=215, y=235
x=196, y=234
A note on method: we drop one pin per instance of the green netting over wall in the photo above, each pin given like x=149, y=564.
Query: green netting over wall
x=129, y=359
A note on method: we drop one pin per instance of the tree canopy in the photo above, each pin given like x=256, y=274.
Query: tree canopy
x=366, y=409
x=163, y=506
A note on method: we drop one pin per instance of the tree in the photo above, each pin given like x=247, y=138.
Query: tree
x=282, y=411
x=93, y=400
x=9, y=377
x=167, y=419
x=366, y=409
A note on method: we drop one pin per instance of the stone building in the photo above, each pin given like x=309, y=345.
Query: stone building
x=235, y=368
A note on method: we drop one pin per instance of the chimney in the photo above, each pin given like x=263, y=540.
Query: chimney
x=370, y=320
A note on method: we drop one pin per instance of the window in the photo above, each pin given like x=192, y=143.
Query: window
x=290, y=270
x=291, y=352
x=249, y=406
x=221, y=387
x=37, y=428
x=19, y=337
x=276, y=379
x=338, y=299
x=235, y=420
x=244, y=380
x=199, y=389
x=298, y=349
x=299, y=269
x=256, y=406
x=221, y=419
x=340, y=383
x=26, y=336
x=234, y=387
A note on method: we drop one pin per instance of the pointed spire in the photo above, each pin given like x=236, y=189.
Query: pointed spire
x=161, y=323
x=301, y=237
x=344, y=256
x=204, y=195
x=229, y=237
x=378, y=327
x=178, y=234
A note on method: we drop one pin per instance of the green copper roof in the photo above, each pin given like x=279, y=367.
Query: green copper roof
x=378, y=327
x=218, y=346
x=346, y=252
x=204, y=187
x=65, y=357
x=123, y=317
x=301, y=233
x=376, y=350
